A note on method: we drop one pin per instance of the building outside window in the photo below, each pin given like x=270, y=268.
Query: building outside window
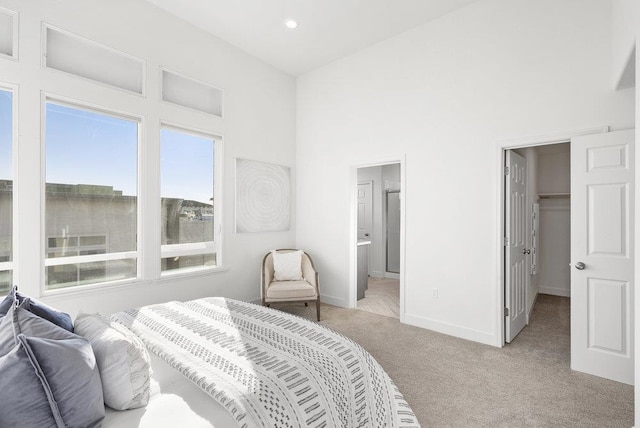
x=6, y=190
x=91, y=188
x=187, y=190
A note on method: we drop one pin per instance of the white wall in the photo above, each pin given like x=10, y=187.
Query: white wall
x=258, y=124
x=624, y=16
x=442, y=96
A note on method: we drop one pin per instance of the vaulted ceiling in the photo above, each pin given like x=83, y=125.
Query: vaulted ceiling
x=327, y=29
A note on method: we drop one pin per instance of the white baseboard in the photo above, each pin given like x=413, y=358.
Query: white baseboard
x=554, y=291
x=392, y=275
x=377, y=274
x=450, y=329
x=335, y=301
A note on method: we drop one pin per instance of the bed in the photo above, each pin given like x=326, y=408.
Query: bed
x=221, y=362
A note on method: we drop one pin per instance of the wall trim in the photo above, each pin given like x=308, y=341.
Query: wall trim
x=451, y=329
x=554, y=290
x=332, y=300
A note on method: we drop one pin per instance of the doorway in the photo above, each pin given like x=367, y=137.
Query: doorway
x=537, y=230
x=379, y=235
x=601, y=245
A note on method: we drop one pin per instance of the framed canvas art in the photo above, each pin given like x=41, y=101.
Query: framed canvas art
x=263, y=196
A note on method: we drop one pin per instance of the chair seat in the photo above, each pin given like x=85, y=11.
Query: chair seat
x=288, y=290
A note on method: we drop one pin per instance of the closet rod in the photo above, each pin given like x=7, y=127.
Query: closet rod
x=553, y=195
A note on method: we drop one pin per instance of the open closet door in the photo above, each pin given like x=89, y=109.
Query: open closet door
x=515, y=244
x=602, y=251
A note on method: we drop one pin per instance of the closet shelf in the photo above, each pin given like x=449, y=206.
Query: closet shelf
x=553, y=195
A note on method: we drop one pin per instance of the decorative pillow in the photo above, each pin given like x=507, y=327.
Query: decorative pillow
x=287, y=266
x=123, y=361
x=23, y=400
x=70, y=378
x=8, y=301
x=21, y=321
x=42, y=310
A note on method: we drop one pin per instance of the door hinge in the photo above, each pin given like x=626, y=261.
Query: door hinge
x=506, y=170
x=506, y=312
x=506, y=241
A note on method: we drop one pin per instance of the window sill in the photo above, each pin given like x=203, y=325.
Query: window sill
x=103, y=288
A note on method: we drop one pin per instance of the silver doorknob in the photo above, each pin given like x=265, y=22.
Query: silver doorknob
x=525, y=251
x=580, y=266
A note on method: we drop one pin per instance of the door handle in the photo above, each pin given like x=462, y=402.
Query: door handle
x=580, y=266
x=366, y=234
x=525, y=251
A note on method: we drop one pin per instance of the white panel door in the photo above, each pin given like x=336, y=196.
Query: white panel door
x=516, y=244
x=365, y=211
x=602, y=198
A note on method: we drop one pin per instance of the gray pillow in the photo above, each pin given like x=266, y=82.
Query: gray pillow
x=19, y=320
x=23, y=401
x=32, y=305
x=68, y=373
x=9, y=300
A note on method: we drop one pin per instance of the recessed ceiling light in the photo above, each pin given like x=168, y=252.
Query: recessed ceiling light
x=291, y=24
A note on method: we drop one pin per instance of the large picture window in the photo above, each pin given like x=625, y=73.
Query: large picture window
x=91, y=187
x=187, y=190
x=6, y=190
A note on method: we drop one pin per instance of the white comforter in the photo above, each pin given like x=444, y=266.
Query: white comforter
x=269, y=368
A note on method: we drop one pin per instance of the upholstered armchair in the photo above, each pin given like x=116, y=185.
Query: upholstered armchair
x=288, y=275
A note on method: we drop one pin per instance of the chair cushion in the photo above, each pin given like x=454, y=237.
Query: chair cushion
x=287, y=266
x=288, y=290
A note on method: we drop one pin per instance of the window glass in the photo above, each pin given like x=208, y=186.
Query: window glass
x=6, y=189
x=187, y=189
x=91, y=196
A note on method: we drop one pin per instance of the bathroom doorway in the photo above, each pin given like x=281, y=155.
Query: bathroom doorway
x=378, y=251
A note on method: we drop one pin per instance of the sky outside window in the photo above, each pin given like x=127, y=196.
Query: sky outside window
x=85, y=147
x=187, y=166
x=6, y=127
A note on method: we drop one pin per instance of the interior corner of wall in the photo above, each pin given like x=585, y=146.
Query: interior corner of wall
x=625, y=73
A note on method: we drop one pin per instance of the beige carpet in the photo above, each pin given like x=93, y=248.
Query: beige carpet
x=452, y=382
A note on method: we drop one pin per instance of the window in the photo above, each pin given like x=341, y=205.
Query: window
x=6, y=190
x=187, y=190
x=91, y=210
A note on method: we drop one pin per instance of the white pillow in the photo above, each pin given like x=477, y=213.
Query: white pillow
x=287, y=266
x=123, y=361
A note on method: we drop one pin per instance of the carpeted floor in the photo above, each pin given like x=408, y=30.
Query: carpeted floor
x=452, y=382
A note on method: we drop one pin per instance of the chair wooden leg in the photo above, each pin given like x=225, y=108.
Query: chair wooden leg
x=318, y=308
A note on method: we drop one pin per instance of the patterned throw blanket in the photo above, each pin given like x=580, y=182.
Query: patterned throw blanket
x=269, y=368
